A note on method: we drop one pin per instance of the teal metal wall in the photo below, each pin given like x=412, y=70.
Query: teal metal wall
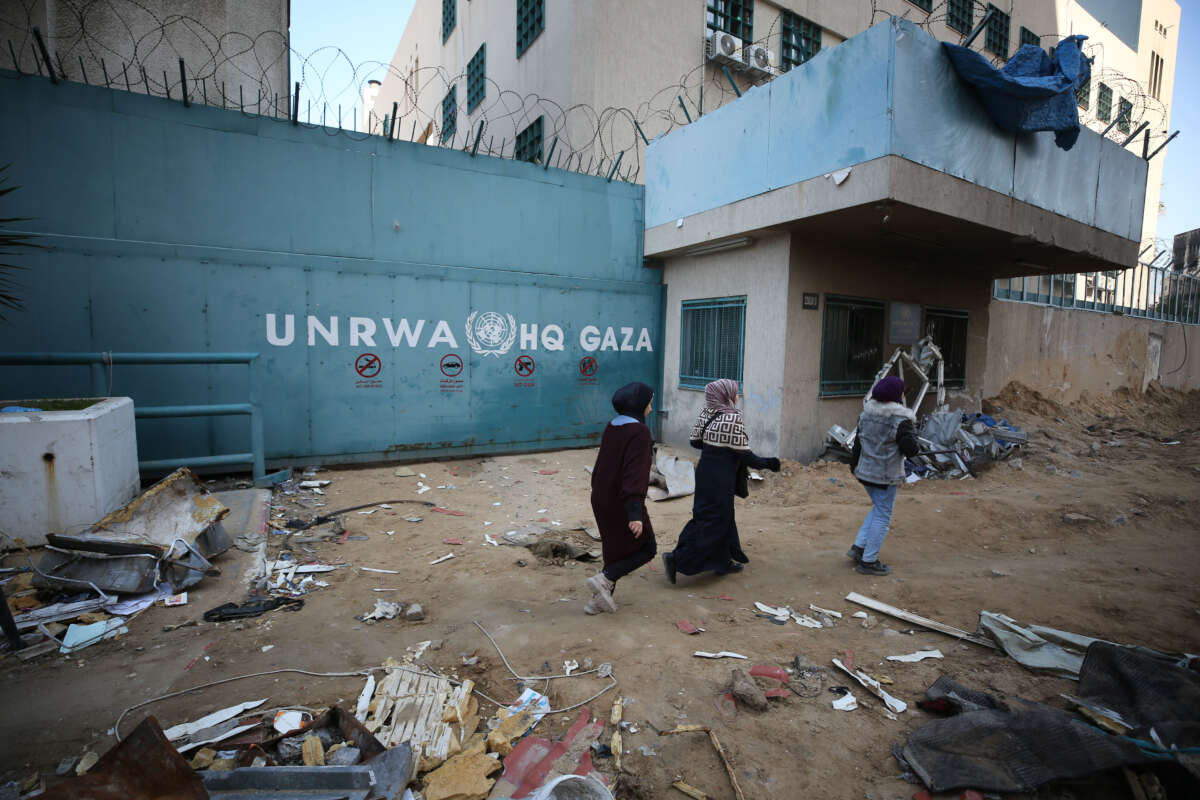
x=362, y=270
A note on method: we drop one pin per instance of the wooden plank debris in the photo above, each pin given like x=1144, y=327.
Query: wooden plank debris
x=916, y=619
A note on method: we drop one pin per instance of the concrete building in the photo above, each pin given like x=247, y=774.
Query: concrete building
x=584, y=70
x=237, y=48
x=797, y=263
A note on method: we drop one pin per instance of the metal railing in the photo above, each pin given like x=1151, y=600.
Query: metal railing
x=1147, y=291
x=98, y=361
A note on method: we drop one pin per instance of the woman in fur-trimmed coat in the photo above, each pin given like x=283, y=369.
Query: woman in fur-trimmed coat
x=885, y=438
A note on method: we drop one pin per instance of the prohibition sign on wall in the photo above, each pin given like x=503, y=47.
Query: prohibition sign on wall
x=524, y=366
x=368, y=365
x=451, y=365
x=587, y=366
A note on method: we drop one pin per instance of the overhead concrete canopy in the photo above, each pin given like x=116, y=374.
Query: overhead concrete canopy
x=879, y=141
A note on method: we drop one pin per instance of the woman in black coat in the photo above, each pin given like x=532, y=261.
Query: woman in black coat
x=710, y=541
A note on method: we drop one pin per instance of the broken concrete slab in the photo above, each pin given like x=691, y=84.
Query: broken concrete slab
x=463, y=777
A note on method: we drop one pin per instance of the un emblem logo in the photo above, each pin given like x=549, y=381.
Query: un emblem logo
x=491, y=333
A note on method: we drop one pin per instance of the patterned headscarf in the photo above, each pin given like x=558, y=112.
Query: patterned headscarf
x=720, y=421
x=721, y=394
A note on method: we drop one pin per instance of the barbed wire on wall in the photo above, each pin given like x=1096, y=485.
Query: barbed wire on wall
x=125, y=44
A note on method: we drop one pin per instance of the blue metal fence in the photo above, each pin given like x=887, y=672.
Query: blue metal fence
x=1147, y=290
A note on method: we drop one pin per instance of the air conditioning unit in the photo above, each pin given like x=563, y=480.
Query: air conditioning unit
x=756, y=58
x=725, y=48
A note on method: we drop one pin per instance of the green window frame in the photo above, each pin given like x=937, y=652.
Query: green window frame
x=529, y=142
x=732, y=16
x=851, y=345
x=477, y=78
x=531, y=21
x=1029, y=37
x=450, y=113
x=924, y=5
x=1083, y=95
x=712, y=335
x=1124, y=115
x=800, y=40
x=995, y=39
x=960, y=15
x=449, y=18
x=948, y=327
x=1104, y=103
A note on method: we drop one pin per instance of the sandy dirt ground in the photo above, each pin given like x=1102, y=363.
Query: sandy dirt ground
x=996, y=543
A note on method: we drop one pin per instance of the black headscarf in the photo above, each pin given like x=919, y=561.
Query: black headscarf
x=632, y=399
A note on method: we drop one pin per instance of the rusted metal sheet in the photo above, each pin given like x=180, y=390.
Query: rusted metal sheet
x=144, y=766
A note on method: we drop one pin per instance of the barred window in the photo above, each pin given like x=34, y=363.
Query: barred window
x=529, y=142
x=851, y=345
x=801, y=40
x=732, y=16
x=711, y=340
x=1083, y=95
x=1029, y=37
x=960, y=15
x=450, y=113
x=477, y=78
x=995, y=39
x=948, y=327
x=924, y=5
x=449, y=18
x=531, y=21
x=1104, y=103
x=1124, y=115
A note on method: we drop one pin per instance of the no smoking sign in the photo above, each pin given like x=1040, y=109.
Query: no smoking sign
x=368, y=365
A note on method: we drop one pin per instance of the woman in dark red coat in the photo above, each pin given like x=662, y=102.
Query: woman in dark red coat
x=619, y=482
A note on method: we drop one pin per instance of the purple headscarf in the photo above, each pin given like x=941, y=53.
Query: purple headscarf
x=721, y=394
x=888, y=390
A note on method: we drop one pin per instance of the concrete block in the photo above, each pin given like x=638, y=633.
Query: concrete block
x=62, y=471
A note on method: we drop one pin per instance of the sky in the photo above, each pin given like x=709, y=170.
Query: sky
x=368, y=31
x=1181, y=172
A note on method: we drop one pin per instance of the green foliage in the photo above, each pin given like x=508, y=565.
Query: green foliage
x=11, y=244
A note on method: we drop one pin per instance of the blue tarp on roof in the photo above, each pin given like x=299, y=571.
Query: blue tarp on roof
x=1033, y=91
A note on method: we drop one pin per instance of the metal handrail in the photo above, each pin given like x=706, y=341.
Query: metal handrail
x=97, y=361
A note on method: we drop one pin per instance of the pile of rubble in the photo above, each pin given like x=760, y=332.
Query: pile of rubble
x=152, y=549
x=951, y=441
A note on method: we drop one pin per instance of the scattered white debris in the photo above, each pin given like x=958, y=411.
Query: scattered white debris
x=846, y=702
x=216, y=717
x=874, y=687
x=423, y=490
x=371, y=510
x=176, y=600
x=570, y=666
x=384, y=505
x=721, y=654
x=314, y=484
x=267, y=647
x=384, y=609
x=859, y=615
x=446, y=557
x=820, y=610
x=389, y=533
x=489, y=540
x=920, y=655
x=385, y=571
x=754, y=476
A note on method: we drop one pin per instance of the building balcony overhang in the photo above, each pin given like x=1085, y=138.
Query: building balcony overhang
x=879, y=143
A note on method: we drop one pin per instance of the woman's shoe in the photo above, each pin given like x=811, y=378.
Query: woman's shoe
x=732, y=566
x=594, y=606
x=854, y=553
x=669, y=566
x=602, y=587
x=875, y=567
